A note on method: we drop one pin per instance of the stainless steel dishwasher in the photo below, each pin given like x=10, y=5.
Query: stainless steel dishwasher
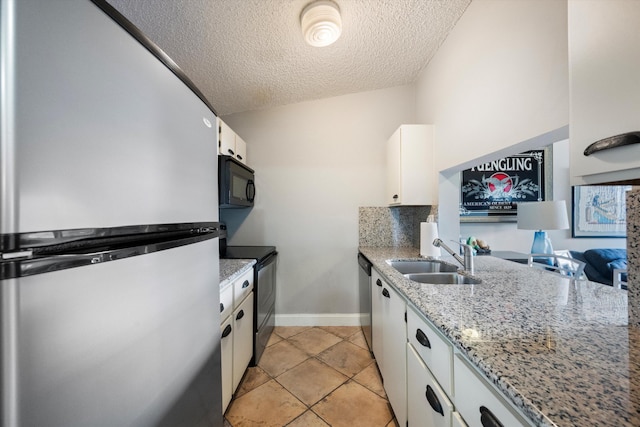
x=364, y=289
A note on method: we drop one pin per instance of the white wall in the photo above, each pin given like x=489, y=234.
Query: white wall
x=506, y=236
x=500, y=78
x=498, y=85
x=316, y=163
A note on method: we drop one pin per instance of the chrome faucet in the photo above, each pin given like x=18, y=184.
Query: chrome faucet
x=467, y=262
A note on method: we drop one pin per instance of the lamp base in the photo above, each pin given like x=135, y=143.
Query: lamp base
x=542, y=245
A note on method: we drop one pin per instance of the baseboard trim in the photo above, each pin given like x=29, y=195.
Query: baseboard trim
x=338, y=319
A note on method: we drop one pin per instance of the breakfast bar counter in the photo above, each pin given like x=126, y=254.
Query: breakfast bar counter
x=560, y=350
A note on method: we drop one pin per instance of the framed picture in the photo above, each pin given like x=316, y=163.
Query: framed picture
x=491, y=191
x=599, y=211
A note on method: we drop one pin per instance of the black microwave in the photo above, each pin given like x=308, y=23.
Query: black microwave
x=236, y=184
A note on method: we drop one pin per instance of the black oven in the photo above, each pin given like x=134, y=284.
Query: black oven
x=236, y=183
x=264, y=288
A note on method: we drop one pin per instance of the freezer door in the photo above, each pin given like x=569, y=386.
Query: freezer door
x=133, y=342
x=103, y=134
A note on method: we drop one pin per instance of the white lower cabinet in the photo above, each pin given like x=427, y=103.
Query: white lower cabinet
x=477, y=402
x=226, y=357
x=242, y=338
x=428, y=405
x=377, y=343
x=433, y=348
x=394, y=331
x=390, y=330
x=428, y=383
x=457, y=421
x=236, y=332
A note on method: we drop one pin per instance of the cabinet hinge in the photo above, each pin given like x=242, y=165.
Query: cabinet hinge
x=405, y=317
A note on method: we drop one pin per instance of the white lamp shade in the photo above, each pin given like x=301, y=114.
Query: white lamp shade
x=550, y=215
x=321, y=23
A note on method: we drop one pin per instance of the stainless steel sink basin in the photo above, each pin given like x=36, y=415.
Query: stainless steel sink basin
x=443, y=278
x=423, y=266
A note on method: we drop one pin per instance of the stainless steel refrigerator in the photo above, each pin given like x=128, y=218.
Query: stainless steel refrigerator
x=108, y=225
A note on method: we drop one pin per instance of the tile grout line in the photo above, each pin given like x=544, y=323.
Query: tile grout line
x=348, y=377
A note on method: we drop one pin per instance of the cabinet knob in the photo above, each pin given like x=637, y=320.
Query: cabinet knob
x=239, y=156
x=395, y=196
x=240, y=315
x=434, y=401
x=245, y=284
x=221, y=307
x=226, y=331
x=385, y=293
x=378, y=282
x=488, y=419
x=231, y=151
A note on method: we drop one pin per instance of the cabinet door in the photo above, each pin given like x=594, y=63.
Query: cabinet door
x=227, y=139
x=428, y=405
x=377, y=341
x=411, y=173
x=435, y=350
x=394, y=192
x=241, y=150
x=226, y=358
x=242, y=339
x=394, y=331
x=457, y=421
x=476, y=400
x=604, y=63
x=226, y=301
x=242, y=287
x=417, y=169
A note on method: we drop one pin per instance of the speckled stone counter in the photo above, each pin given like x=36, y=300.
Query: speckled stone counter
x=231, y=269
x=633, y=254
x=561, y=351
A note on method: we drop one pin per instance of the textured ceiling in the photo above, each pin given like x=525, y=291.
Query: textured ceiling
x=249, y=54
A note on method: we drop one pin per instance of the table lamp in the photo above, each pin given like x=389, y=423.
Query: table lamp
x=542, y=216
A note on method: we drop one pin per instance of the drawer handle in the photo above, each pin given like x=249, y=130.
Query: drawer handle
x=488, y=419
x=434, y=401
x=221, y=307
x=422, y=338
x=245, y=284
x=226, y=331
x=239, y=156
x=385, y=293
x=240, y=315
x=379, y=283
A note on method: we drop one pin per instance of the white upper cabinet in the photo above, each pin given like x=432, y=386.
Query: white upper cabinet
x=604, y=64
x=241, y=149
x=230, y=144
x=411, y=174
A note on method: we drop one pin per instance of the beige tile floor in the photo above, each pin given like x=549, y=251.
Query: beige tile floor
x=312, y=377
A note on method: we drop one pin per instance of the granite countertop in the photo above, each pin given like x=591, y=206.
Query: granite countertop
x=561, y=351
x=231, y=269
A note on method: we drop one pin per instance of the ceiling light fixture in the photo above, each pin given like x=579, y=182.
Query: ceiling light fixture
x=321, y=23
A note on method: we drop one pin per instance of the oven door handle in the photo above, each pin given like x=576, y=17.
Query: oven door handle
x=268, y=260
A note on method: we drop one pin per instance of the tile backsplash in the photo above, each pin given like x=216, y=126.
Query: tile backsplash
x=392, y=226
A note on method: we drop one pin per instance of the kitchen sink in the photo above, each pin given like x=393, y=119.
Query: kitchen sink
x=423, y=266
x=443, y=278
